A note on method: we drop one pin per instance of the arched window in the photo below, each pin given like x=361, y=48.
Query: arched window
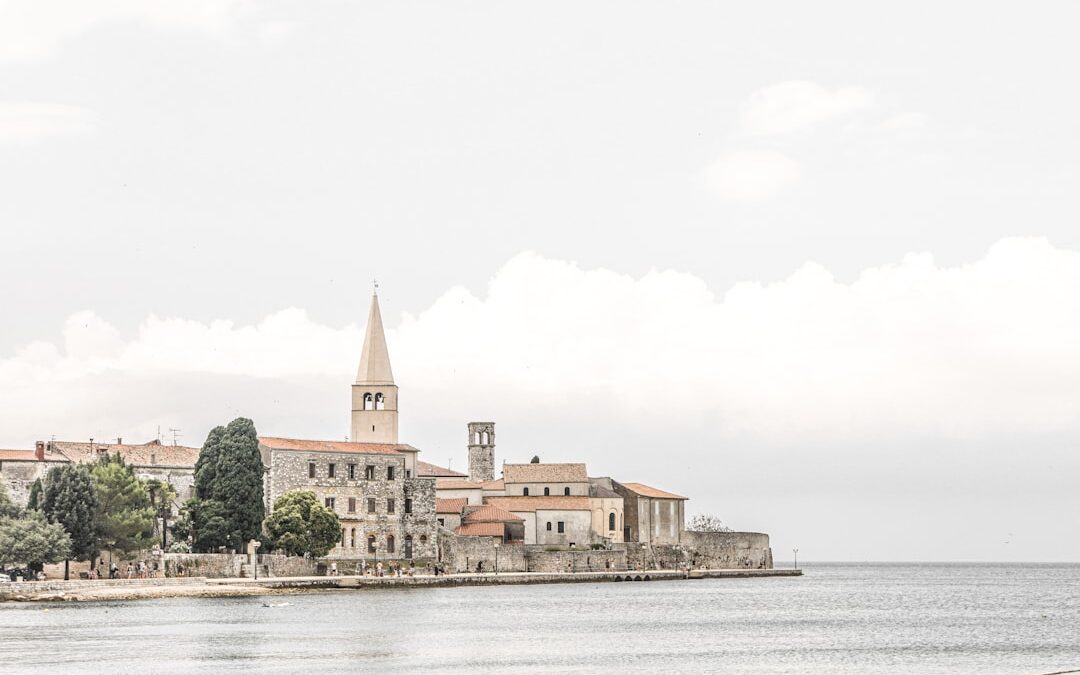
x=525, y=491
x=611, y=521
x=380, y=402
x=547, y=491
x=566, y=491
x=390, y=543
x=371, y=543
x=369, y=403
x=423, y=539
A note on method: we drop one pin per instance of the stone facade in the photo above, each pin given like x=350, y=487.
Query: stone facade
x=481, y=451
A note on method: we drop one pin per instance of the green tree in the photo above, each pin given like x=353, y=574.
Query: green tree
x=8, y=508
x=162, y=500
x=706, y=522
x=32, y=541
x=71, y=502
x=35, y=496
x=125, y=520
x=301, y=525
x=204, y=523
x=229, y=486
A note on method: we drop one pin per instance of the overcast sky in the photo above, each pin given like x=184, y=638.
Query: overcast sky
x=816, y=268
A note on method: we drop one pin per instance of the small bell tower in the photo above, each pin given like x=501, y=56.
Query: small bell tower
x=481, y=451
x=374, y=395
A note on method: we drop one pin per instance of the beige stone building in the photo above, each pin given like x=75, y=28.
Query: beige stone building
x=653, y=516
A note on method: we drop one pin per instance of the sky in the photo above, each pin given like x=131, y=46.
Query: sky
x=817, y=269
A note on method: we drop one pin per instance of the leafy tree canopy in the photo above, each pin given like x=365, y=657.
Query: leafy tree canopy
x=124, y=517
x=35, y=495
x=704, y=522
x=301, y=525
x=8, y=508
x=229, y=484
x=70, y=501
x=32, y=541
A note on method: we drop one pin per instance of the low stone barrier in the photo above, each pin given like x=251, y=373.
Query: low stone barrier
x=19, y=588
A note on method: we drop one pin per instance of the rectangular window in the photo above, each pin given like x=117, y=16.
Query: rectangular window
x=371, y=505
x=329, y=502
x=549, y=526
x=330, y=469
x=408, y=505
x=408, y=473
x=369, y=472
x=390, y=472
x=562, y=527
x=371, y=543
x=352, y=472
x=311, y=469
x=352, y=504
x=389, y=505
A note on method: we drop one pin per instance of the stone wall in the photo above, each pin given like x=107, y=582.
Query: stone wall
x=462, y=554
x=541, y=560
x=226, y=565
x=729, y=550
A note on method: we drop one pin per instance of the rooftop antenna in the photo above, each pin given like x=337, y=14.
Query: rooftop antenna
x=159, y=434
x=175, y=434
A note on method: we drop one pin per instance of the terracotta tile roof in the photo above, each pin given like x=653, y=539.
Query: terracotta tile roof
x=493, y=484
x=305, y=445
x=481, y=530
x=488, y=513
x=20, y=455
x=427, y=469
x=455, y=484
x=544, y=473
x=153, y=453
x=450, y=505
x=540, y=503
x=647, y=491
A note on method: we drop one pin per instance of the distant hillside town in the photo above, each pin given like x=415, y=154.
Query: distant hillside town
x=394, y=508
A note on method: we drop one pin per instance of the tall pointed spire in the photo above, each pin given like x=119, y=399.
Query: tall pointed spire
x=374, y=358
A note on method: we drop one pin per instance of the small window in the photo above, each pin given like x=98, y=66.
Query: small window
x=442, y=522
x=371, y=505
x=352, y=504
x=566, y=491
x=408, y=473
x=369, y=472
x=408, y=505
x=547, y=491
x=352, y=538
x=343, y=537
x=611, y=521
x=562, y=527
x=389, y=505
x=329, y=503
x=371, y=543
x=369, y=402
x=423, y=539
x=311, y=469
x=549, y=526
x=390, y=472
x=525, y=492
x=380, y=402
x=331, y=468
x=352, y=472
x=390, y=543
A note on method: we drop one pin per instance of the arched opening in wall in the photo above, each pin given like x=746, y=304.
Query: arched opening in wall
x=423, y=539
x=371, y=543
x=611, y=521
x=369, y=402
x=566, y=491
x=380, y=401
x=525, y=492
x=483, y=438
x=390, y=543
x=408, y=546
x=547, y=492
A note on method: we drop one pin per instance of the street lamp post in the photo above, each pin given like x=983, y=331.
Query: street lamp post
x=496, y=557
x=796, y=552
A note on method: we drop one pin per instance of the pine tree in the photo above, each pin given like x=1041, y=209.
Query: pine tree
x=35, y=496
x=71, y=502
x=124, y=516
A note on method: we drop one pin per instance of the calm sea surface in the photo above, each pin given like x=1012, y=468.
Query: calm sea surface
x=837, y=619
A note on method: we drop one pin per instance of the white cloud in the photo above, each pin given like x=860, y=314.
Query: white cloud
x=909, y=349
x=32, y=29
x=796, y=104
x=750, y=175
x=28, y=122
x=904, y=122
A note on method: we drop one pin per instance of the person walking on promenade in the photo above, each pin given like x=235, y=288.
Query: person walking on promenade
x=130, y=570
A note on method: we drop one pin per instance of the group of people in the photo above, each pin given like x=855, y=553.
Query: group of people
x=134, y=570
x=379, y=570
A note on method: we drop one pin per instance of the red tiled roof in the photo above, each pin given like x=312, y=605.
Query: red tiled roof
x=481, y=530
x=428, y=469
x=493, y=484
x=145, y=454
x=456, y=484
x=20, y=455
x=647, y=491
x=305, y=445
x=489, y=513
x=450, y=505
x=558, y=503
x=544, y=473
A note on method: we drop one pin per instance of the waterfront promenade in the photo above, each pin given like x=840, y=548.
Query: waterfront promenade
x=130, y=589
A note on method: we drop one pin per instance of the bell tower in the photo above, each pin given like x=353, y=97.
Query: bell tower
x=374, y=394
x=481, y=451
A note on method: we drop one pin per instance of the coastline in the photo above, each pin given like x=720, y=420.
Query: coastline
x=143, y=589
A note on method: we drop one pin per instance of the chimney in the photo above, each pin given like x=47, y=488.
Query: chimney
x=39, y=451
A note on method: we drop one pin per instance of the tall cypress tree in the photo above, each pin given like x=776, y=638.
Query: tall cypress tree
x=229, y=487
x=70, y=501
x=34, y=502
